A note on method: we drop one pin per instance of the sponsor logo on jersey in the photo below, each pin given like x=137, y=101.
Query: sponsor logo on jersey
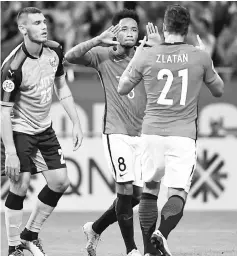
x=53, y=63
x=8, y=86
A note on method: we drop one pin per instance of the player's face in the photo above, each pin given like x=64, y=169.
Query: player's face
x=127, y=36
x=36, y=28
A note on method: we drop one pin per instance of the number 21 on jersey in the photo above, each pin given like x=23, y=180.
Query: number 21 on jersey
x=166, y=72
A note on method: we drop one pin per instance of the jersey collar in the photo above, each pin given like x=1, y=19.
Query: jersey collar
x=122, y=56
x=28, y=54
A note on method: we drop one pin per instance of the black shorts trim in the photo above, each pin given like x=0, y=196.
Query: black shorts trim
x=110, y=154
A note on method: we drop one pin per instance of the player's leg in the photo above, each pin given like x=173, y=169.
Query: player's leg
x=124, y=212
x=93, y=230
x=172, y=211
x=57, y=183
x=148, y=214
x=14, y=212
x=152, y=171
x=171, y=214
x=109, y=217
x=14, y=202
x=120, y=158
x=180, y=163
x=49, y=160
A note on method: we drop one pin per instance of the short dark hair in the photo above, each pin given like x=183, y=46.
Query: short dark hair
x=28, y=10
x=125, y=13
x=177, y=19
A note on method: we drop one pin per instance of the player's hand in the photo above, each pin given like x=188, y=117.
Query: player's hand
x=200, y=45
x=12, y=166
x=106, y=38
x=153, y=35
x=77, y=136
x=140, y=47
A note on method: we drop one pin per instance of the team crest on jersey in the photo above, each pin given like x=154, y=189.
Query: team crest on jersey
x=53, y=63
x=8, y=86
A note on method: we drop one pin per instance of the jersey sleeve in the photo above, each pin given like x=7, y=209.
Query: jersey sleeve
x=136, y=69
x=209, y=71
x=10, y=84
x=98, y=55
x=55, y=46
x=60, y=69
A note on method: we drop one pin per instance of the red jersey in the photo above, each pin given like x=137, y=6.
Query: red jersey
x=173, y=75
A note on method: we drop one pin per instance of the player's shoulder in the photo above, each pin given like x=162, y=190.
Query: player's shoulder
x=101, y=52
x=202, y=55
x=198, y=54
x=52, y=44
x=148, y=55
x=146, y=51
x=15, y=59
x=151, y=50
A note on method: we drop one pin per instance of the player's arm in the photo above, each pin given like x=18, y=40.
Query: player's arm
x=80, y=54
x=129, y=79
x=7, y=134
x=132, y=74
x=64, y=95
x=212, y=80
x=9, y=88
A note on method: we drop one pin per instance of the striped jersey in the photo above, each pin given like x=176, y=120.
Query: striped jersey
x=123, y=114
x=27, y=84
x=173, y=75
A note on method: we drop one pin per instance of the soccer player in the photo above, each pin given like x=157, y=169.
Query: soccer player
x=121, y=125
x=173, y=74
x=28, y=77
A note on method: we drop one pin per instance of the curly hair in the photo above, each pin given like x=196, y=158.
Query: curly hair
x=125, y=13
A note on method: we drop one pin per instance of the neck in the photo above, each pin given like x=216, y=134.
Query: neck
x=171, y=38
x=33, y=48
x=125, y=51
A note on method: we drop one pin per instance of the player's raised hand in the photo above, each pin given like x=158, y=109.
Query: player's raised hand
x=77, y=136
x=200, y=45
x=12, y=166
x=153, y=35
x=106, y=38
x=140, y=47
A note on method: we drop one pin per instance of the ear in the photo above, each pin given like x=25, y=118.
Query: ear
x=22, y=29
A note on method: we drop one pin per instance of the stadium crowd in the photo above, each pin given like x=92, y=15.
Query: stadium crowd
x=71, y=22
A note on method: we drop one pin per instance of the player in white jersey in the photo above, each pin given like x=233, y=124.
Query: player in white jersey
x=173, y=74
x=28, y=142
x=122, y=123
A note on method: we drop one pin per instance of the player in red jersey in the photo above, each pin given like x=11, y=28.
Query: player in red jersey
x=121, y=124
x=173, y=74
x=29, y=144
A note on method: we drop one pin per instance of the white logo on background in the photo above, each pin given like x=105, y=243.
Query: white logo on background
x=8, y=86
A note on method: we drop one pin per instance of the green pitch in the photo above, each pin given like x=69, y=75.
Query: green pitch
x=198, y=234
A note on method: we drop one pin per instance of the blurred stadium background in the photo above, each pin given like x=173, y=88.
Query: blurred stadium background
x=210, y=226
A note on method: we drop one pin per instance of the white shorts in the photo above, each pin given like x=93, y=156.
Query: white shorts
x=170, y=157
x=123, y=154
